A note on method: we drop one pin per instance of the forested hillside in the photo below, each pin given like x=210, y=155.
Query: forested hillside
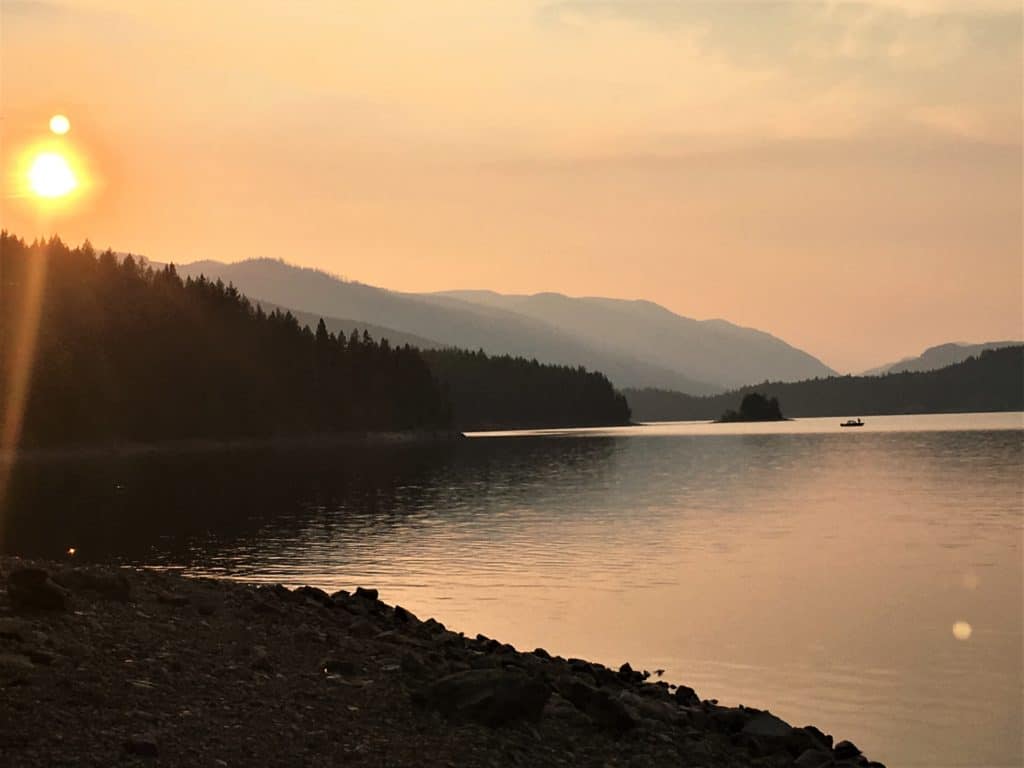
x=993, y=381
x=511, y=392
x=127, y=352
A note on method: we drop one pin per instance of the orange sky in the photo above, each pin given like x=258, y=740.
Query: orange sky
x=844, y=175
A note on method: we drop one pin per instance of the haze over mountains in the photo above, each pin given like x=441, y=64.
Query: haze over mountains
x=635, y=343
x=939, y=356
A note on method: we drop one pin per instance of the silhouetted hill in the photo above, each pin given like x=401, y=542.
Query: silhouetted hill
x=939, y=356
x=712, y=351
x=128, y=352
x=448, y=322
x=634, y=343
x=993, y=381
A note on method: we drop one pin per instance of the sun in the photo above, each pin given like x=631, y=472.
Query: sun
x=51, y=176
x=60, y=125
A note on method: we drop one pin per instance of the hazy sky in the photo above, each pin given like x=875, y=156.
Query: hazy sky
x=846, y=175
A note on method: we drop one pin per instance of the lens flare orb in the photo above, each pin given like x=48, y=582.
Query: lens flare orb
x=59, y=124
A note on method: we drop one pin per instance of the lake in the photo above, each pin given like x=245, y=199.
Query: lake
x=868, y=581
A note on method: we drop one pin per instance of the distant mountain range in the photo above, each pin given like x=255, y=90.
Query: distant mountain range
x=992, y=381
x=635, y=343
x=937, y=357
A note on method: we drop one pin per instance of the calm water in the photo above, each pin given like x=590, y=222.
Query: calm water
x=814, y=571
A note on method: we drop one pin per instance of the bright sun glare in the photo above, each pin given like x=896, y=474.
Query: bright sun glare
x=51, y=176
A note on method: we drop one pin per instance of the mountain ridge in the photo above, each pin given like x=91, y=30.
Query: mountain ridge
x=635, y=342
x=938, y=356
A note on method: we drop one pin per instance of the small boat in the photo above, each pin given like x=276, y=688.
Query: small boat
x=852, y=423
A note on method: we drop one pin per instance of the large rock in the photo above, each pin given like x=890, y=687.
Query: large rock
x=846, y=750
x=686, y=696
x=489, y=696
x=33, y=589
x=109, y=584
x=598, y=705
x=765, y=725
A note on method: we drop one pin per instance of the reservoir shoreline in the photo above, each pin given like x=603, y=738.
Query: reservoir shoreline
x=104, y=665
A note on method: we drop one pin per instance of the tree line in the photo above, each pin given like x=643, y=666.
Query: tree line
x=504, y=392
x=128, y=352
x=992, y=381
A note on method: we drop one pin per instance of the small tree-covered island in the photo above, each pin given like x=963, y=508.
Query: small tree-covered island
x=754, y=407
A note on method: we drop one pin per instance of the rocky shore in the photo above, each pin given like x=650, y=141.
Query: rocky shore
x=102, y=666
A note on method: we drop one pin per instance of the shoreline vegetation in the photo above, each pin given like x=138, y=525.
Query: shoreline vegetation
x=103, y=665
x=991, y=382
x=125, y=352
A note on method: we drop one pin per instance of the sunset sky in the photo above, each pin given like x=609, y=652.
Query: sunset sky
x=845, y=175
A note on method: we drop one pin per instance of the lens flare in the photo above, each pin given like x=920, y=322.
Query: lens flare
x=962, y=630
x=60, y=125
x=51, y=176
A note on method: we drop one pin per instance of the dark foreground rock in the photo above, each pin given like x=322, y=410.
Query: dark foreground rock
x=120, y=667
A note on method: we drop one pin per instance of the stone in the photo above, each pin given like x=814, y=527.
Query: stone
x=32, y=588
x=315, y=595
x=261, y=659
x=765, y=725
x=649, y=708
x=727, y=719
x=403, y=616
x=824, y=739
x=366, y=594
x=598, y=705
x=686, y=696
x=141, y=745
x=845, y=750
x=492, y=697
x=331, y=666
x=813, y=758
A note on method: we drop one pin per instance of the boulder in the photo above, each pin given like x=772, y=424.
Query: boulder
x=315, y=595
x=765, y=725
x=687, y=697
x=727, y=719
x=33, y=589
x=598, y=705
x=845, y=750
x=492, y=697
x=366, y=594
x=142, y=746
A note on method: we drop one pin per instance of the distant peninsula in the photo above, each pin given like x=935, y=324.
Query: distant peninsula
x=992, y=381
x=754, y=407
